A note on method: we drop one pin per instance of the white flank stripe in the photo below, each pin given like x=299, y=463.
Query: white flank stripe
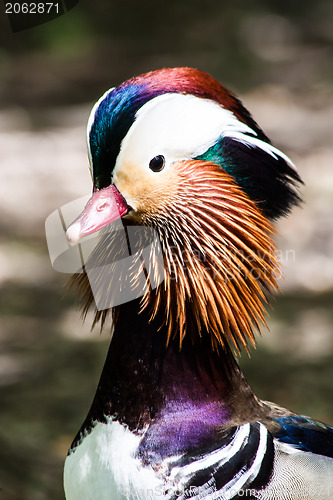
x=236, y=484
x=220, y=455
x=239, y=480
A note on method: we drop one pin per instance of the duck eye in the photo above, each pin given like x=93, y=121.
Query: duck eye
x=157, y=163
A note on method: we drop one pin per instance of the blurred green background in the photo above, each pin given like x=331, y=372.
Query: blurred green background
x=278, y=57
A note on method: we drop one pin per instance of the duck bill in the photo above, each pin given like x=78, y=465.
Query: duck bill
x=105, y=206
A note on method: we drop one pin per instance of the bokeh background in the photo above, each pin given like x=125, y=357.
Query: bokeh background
x=278, y=57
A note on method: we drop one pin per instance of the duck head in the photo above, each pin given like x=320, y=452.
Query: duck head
x=176, y=151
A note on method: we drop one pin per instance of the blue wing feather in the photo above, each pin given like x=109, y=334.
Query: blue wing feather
x=306, y=434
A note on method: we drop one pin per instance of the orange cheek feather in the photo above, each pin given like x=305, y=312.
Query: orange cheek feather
x=219, y=257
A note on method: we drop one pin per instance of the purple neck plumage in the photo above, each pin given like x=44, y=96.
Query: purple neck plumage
x=184, y=397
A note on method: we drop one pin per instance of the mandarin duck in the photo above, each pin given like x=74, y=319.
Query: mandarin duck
x=173, y=416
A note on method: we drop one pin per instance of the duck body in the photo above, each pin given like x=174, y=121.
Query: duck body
x=173, y=416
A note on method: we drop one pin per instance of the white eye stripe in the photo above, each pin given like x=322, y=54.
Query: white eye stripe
x=182, y=127
x=177, y=125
